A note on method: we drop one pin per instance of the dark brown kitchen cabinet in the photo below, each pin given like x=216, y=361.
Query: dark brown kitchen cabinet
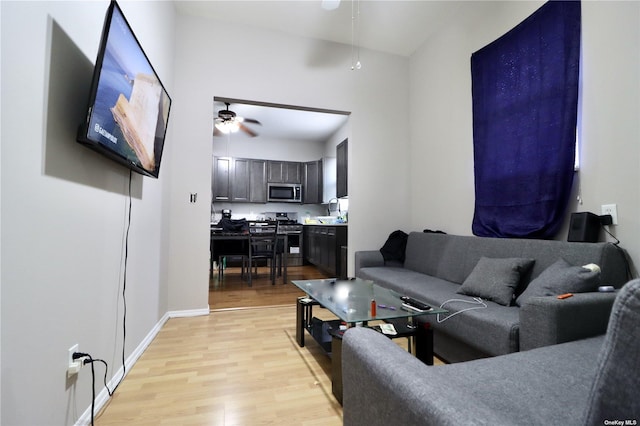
x=322, y=246
x=312, y=182
x=239, y=180
x=284, y=172
x=342, y=168
x=258, y=181
x=221, y=179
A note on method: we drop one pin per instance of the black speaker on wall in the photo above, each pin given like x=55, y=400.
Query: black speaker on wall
x=584, y=227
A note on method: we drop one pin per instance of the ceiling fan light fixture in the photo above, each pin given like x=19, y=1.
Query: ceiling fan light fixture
x=222, y=127
x=228, y=122
x=330, y=4
x=227, y=127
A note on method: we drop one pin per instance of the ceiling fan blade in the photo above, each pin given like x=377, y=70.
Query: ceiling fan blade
x=217, y=132
x=247, y=130
x=252, y=120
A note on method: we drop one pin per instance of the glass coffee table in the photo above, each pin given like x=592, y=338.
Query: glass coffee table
x=357, y=302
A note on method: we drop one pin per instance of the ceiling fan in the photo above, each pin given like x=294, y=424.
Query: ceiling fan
x=228, y=122
x=330, y=4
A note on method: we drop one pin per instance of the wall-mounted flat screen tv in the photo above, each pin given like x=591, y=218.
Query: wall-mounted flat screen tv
x=128, y=107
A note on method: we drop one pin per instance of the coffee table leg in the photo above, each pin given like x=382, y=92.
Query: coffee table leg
x=336, y=368
x=424, y=343
x=300, y=322
x=285, y=261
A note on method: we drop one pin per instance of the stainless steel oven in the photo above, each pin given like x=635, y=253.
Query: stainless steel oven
x=294, y=242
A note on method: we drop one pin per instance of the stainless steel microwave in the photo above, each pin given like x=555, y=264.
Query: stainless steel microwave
x=284, y=192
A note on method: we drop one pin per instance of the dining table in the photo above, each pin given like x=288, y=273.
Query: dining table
x=220, y=236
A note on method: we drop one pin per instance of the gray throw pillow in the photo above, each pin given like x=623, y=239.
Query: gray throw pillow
x=495, y=279
x=560, y=278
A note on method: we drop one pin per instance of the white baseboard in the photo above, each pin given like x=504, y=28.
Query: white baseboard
x=103, y=396
x=187, y=313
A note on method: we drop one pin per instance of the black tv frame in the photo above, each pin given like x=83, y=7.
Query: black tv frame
x=100, y=145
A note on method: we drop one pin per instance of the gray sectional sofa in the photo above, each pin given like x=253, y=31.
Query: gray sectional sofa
x=438, y=266
x=591, y=381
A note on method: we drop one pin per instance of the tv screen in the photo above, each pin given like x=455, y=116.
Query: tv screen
x=128, y=107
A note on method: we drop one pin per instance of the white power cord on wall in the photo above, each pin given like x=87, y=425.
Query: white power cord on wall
x=476, y=301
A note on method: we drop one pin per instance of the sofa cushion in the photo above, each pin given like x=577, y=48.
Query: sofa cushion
x=488, y=327
x=423, y=287
x=498, y=325
x=496, y=279
x=560, y=278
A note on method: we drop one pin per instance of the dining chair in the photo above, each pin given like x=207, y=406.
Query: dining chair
x=263, y=238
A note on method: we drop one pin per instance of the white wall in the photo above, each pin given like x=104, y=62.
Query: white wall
x=267, y=149
x=610, y=154
x=441, y=150
x=342, y=133
x=272, y=67
x=330, y=164
x=64, y=210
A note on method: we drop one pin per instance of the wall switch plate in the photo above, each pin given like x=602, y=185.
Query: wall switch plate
x=611, y=209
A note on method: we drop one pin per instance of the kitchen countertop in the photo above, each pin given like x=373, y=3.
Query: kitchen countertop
x=325, y=224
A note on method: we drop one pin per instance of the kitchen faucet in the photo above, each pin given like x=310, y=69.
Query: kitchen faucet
x=331, y=201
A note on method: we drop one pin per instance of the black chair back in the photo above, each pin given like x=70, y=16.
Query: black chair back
x=263, y=238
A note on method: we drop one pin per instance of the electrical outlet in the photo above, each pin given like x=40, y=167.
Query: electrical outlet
x=73, y=366
x=611, y=209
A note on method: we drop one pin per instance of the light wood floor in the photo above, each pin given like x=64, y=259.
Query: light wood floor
x=240, y=365
x=234, y=292
x=232, y=367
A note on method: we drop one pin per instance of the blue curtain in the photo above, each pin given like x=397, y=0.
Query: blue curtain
x=525, y=106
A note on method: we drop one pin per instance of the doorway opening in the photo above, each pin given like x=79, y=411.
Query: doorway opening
x=271, y=143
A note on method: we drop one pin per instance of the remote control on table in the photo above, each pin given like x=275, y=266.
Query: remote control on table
x=415, y=303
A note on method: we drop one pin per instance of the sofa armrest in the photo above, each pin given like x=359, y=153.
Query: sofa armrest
x=384, y=384
x=548, y=320
x=374, y=379
x=367, y=258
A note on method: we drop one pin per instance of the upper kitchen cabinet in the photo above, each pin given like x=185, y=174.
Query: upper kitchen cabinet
x=258, y=181
x=284, y=172
x=312, y=184
x=221, y=178
x=239, y=180
x=342, y=167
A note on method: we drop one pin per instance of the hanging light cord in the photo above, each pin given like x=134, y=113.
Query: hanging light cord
x=355, y=36
x=353, y=18
x=358, y=64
